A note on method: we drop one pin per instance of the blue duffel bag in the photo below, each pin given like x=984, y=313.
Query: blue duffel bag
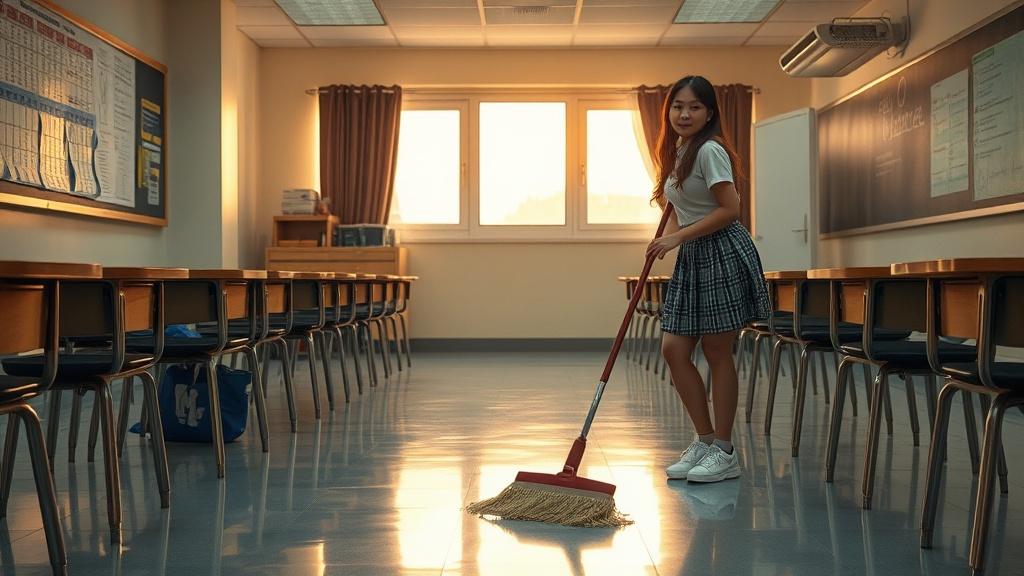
x=185, y=403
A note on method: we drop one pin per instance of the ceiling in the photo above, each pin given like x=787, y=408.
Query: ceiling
x=565, y=23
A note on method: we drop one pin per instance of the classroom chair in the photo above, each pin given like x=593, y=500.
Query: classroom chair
x=981, y=299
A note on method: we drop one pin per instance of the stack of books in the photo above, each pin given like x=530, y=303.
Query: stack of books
x=299, y=201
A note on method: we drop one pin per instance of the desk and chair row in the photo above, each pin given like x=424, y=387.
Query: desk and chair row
x=956, y=322
x=81, y=327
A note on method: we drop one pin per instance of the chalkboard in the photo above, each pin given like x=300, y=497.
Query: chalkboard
x=939, y=139
x=82, y=118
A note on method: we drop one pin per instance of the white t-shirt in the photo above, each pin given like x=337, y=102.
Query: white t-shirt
x=695, y=200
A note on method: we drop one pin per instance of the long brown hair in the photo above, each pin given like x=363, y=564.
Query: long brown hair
x=665, y=161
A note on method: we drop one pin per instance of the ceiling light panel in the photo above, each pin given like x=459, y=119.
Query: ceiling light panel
x=388, y=4
x=332, y=12
x=644, y=14
x=701, y=11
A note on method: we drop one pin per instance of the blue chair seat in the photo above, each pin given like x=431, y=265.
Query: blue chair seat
x=17, y=388
x=175, y=347
x=71, y=366
x=307, y=318
x=236, y=329
x=909, y=353
x=363, y=310
x=1009, y=375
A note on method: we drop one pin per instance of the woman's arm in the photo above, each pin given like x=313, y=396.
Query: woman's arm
x=728, y=211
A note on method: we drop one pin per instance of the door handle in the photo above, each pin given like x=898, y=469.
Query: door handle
x=804, y=229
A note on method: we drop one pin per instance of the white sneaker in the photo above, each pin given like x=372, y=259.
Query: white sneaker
x=693, y=454
x=714, y=466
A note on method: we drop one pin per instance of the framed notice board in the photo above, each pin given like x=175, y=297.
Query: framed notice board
x=82, y=118
x=939, y=139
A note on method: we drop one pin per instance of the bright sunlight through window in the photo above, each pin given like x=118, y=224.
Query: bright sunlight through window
x=522, y=163
x=426, y=187
x=618, y=185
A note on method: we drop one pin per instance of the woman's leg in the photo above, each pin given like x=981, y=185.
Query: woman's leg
x=718, y=351
x=678, y=353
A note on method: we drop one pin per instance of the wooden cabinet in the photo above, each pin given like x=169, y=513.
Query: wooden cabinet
x=365, y=260
x=302, y=230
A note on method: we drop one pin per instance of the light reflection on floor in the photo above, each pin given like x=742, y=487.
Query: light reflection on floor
x=377, y=487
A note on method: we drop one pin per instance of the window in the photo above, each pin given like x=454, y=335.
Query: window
x=428, y=175
x=538, y=165
x=617, y=183
x=522, y=163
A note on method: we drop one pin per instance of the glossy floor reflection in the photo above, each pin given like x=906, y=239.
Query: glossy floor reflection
x=377, y=487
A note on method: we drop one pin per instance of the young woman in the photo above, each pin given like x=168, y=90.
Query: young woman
x=718, y=285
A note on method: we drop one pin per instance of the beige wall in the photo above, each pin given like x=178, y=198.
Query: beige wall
x=250, y=250
x=932, y=23
x=26, y=235
x=194, y=151
x=490, y=290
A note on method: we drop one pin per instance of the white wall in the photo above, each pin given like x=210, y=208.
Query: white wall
x=30, y=235
x=932, y=23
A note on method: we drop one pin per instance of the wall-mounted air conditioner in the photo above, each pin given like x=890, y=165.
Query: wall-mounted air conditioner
x=835, y=49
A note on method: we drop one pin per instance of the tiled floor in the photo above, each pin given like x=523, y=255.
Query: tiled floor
x=377, y=486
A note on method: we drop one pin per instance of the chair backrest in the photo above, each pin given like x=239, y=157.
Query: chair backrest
x=1008, y=312
x=29, y=299
x=815, y=299
x=190, y=302
x=900, y=304
x=87, y=309
x=306, y=294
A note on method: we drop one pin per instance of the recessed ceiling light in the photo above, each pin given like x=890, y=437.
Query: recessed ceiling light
x=713, y=11
x=332, y=12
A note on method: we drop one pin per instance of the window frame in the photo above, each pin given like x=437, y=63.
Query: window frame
x=585, y=105
x=445, y=230
x=576, y=228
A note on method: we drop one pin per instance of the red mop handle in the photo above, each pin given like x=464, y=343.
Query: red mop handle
x=572, y=462
x=635, y=299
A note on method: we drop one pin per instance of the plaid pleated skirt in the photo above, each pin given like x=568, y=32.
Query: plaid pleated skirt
x=717, y=286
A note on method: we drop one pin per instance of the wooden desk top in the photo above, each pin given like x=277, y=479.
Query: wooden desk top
x=959, y=266
x=366, y=276
x=628, y=278
x=409, y=278
x=313, y=275
x=49, y=271
x=279, y=275
x=145, y=273
x=344, y=276
x=853, y=273
x=786, y=275
x=227, y=274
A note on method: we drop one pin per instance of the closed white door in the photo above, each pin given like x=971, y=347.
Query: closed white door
x=785, y=149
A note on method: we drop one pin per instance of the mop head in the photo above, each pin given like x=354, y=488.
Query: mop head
x=552, y=504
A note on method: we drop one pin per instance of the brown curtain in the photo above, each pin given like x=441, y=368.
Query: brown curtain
x=736, y=104
x=358, y=149
x=650, y=100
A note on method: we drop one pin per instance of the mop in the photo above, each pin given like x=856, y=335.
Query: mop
x=563, y=497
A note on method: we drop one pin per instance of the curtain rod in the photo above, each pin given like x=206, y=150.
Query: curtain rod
x=315, y=91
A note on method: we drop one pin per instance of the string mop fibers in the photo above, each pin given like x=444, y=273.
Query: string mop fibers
x=565, y=498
